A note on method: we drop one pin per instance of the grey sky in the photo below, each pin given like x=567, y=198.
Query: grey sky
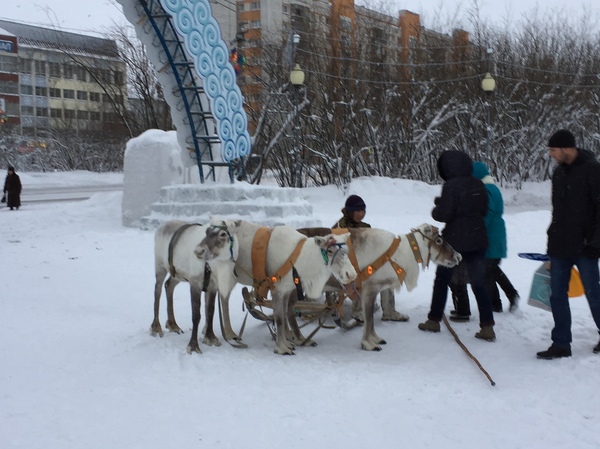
x=98, y=15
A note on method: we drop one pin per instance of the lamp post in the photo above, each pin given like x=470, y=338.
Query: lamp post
x=297, y=80
x=488, y=84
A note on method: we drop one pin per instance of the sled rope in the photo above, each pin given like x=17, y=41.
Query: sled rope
x=464, y=348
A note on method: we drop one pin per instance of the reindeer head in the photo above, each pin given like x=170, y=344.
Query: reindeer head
x=438, y=250
x=335, y=255
x=219, y=243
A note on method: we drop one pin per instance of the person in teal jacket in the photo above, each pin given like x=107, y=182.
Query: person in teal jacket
x=496, y=232
x=496, y=251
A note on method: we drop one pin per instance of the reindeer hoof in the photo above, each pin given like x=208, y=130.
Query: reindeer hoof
x=193, y=348
x=370, y=347
x=213, y=341
x=156, y=333
x=285, y=351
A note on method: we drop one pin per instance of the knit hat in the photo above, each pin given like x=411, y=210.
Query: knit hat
x=562, y=138
x=354, y=203
x=480, y=170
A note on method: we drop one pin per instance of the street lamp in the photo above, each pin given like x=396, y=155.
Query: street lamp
x=488, y=84
x=297, y=80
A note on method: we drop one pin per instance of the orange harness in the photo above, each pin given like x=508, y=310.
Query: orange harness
x=261, y=281
x=373, y=267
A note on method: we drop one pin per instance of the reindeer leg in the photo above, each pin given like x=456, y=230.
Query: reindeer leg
x=155, y=327
x=210, y=338
x=196, y=298
x=228, y=331
x=370, y=340
x=282, y=345
x=171, y=324
x=297, y=336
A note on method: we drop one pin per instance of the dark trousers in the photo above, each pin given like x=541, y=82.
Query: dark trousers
x=475, y=263
x=560, y=274
x=494, y=276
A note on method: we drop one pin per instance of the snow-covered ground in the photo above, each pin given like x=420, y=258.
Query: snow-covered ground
x=79, y=369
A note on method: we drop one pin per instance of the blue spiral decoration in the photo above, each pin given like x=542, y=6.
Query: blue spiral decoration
x=202, y=40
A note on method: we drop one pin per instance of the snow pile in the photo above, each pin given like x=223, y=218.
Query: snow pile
x=152, y=161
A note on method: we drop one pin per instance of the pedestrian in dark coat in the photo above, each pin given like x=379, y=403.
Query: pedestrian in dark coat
x=462, y=205
x=573, y=236
x=496, y=250
x=12, y=189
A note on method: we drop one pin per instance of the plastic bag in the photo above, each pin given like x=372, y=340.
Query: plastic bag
x=539, y=296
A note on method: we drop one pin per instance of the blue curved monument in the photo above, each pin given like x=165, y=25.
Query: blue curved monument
x=184, y=43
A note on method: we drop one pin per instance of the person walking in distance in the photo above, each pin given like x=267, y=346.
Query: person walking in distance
x=353, y=214
x=12, y=189
x=573, y=236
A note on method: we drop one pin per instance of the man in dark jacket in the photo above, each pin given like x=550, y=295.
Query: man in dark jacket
x=462, y=206
x=573, y=236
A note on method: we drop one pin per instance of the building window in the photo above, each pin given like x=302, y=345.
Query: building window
x=54, y=92
x=241, y=7
x=80, y=73
x=285, y=9
x=9, y=87
x=54, y=69
x=82, y=95
x=41, y=91
x=68, y=93
x=56, y=113
x=95, y=96
x=119, y=78
x=69, y=71
x=26, y=90
x=254, y=6
x=25, y=65
x=41, y=112
x=83, y=115
x=8, y=64
x=255, y=24
x=95, y=115
x=12, y=109
x=40, y=68
x=27, y=110
x=70, y=113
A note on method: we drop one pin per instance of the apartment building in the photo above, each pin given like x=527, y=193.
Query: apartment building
x=343, y=25
x=52, y=80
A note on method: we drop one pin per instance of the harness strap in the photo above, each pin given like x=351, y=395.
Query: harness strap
x=260, y=245
x=172, y=244
x=365, y=274
x=383, y=259
x=414, y=246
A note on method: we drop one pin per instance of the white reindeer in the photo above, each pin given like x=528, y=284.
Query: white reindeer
x=176, y=255
x=319, y=259
x=379, y=268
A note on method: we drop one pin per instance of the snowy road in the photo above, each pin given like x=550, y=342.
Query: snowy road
x=69, y=193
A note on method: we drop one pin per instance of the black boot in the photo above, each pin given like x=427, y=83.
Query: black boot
x=555, y=352
x=597, y=348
